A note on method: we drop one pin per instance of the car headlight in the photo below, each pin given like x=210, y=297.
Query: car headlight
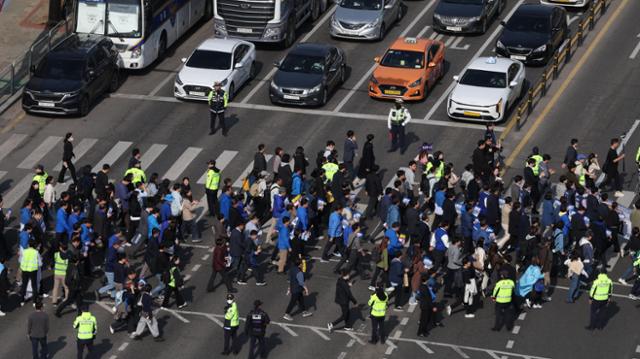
x=475, y=19
x=334, y=22
x=541, y=48
x=374, y=80
x=415, y=83
x=274, y=86
x=316, y=89
x=223, y=82
x=178, y=80
x=499, y=106
x=499, y=44
x=437, y=16
x=372, y=24
x=135, y=53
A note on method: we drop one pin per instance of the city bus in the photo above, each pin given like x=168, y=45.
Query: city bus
x=141, y=30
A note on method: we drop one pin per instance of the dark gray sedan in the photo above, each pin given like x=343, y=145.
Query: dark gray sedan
x=466, y=16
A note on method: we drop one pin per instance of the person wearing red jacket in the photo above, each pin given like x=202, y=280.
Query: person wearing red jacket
x=220, y=266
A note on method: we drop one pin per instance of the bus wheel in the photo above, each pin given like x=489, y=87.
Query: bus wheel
x=162, y=47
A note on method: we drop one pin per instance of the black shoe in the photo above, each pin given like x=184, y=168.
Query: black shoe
x=588, y=328
x=158, y=339
x=391, y=150
x=373, y=342
x=224, y=133
x=212, y=132
x=495, y=329
x=233, y=290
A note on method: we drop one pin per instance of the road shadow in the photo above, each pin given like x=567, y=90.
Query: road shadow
x=101, y=349
x=56, y=345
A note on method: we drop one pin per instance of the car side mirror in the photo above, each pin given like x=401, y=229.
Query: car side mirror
x=513, y=84
x=456, y=78
x=376, y=59
x=184, y=59
x=237, y=66
x=431, y=64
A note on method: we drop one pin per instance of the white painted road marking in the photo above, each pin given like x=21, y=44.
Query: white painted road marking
x=182, y=162
x=112, y=156
x=321, y=334
x=636, y=49
x=195, y=268
x=245, y=173
x=123, y=346
x=423, y=31
x=287, y=329
x=151, y=155
x=460, y=352
x=10, y=144
x=425, y=348
x=221, y=162
x=42, y=150
x=17, y=191
x=516, y=329
x=510, y=344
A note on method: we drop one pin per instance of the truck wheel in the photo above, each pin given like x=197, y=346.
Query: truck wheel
x=290, y=37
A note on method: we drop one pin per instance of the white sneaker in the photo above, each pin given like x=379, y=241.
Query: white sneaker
x=45, y=295
x=287, y=317
x=469, y=315
x=631, y=296
x=2, y=314
x=183, y=305
x=306, y=314
x=528, y=302
x=618, y=194
x=330, y=326
x=622, y=281
x=537, y=306
x=372, y=288
x=390, y=289
x=448, y=310
x=111, y=330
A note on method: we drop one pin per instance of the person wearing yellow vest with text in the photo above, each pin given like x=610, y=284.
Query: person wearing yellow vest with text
x=378, y=302
x=59, y=272
x=30, y=263
x=398, y=118
x=503, y=296
x=218, y=102
x=137, y=174
x=211, y=186
x=41, y=178
x=231, y=324
x=174, y=284
x=599, y=296
x=87, y=327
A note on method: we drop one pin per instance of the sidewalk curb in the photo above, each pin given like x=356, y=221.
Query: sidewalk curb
x=10, y=102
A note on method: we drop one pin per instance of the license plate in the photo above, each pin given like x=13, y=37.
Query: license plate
x=518, y=57
x=291, y=97
x=472, y=114
x=244, y=30
x=46, y=104
x=196, y=93
x=392, y=92
x=454, y=28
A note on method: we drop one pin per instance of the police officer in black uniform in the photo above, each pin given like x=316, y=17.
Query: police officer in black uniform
x=218, y=101
x=256, y=328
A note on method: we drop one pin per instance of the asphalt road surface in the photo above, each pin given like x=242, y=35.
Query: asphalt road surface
x=594, y=99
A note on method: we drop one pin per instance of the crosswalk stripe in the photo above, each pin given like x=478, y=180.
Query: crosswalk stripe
x=17, y=191
x=10, y=144
x=245, y=173
x=449, y=41
x=182, y=162
x=151, y=155
x=221, y=162
x=80, y=150
x=2, y=174
x=45, y=147
x=112, y=156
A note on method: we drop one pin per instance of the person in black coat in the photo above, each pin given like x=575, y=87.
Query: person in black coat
x=493, y=209
x=449, y=213
x=259, y=161
x=427, y=306
x=285, y=173
x=343, y=298
x=337, y=183
x=373, y=189
x=67, y=159
x=368, y=159
x=300, y=160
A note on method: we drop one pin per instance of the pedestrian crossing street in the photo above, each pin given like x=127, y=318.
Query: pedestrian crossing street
x=170, y=161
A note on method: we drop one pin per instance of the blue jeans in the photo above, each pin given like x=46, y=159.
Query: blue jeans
x=573, y=288
x=39, y=343
x=111, y=284
x=628, y=274
x=158, y=288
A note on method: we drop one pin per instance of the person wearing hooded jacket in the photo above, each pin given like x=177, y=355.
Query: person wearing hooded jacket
x=378, y=303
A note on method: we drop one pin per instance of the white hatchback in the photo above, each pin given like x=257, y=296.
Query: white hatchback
x=229, y=61
x=486, y=89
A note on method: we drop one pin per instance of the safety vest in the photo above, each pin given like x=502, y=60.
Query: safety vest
x=636, y=261
x=232, y=315
x=42, y=181
x=330, y=169
x=439, y=170
x=217, y=102
x=29, y=261
x=172, y=278
x=398, y=116
x=137, y=175
x=638, y=155
x=86, y=324
x=601, y=288
x=60, y=265
x=536, y=167
x=503, y=292
x=378, y=306
x=213, y=180
x=581, y=173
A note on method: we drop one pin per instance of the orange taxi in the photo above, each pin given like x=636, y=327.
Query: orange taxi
x=408, y=70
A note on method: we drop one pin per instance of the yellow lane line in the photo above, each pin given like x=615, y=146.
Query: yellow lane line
x=11, y=125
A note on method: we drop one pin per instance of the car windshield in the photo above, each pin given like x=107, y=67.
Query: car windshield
x=361, y=4
x=470, y=2
x=483, y=78
x=60, y=69
x=211, y=60
x=303, y=63
x=404, y=59
x=524, y=23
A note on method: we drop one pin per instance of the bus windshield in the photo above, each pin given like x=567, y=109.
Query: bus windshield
x=118, y=18
x=91, y=16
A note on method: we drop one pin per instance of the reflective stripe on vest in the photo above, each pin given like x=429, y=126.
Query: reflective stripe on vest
x=86, y=325
x=172, y=280
x=29, y=261
x=42, y=181
x=330, y=170
x=503, y=291
x=60, y=266
x=398, y=116
x=232, y=315
x=213, y=180
x=378, y=306
x=600, y=288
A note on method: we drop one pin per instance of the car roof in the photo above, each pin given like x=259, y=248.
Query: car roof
x=535, y=10
x=221, y=45
x=311, y=49
x=411, y=44
x=501, y=64
x=77, y=46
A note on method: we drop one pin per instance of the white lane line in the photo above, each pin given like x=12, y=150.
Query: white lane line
x=368, y=73
x=635, y=51
x=245, y=173
x=221, y=162
x=522, y=316
x=151, y=155
x=433, y=35
x=195, y=268
x=404, y=321
x=494, y=355
x=411, y=308
x=288, y=330
x=516, y=330
x=489, y=40
x=123, y=346
x=215, y=320
x=169, y=77
x=311, y=113
x=112, y=156
x=270, y=74
x=449, y=41
x=391, y=346
x=321, y=334
x=350, y=343
x=105, y=306
x=397, y=334
x=423, y=31
x=201, y=246
x=460, y=352
x=79, y=150
x=355, y=337
x=342, y=355
x=182, y=162
x=424, y=347
x=638, y=349
x=510, y=344
x=205, y=257
x=17, y=191
x=456, y=44
x=439, y=37
x=42, y=150
x=10, y=144
x=177, y=315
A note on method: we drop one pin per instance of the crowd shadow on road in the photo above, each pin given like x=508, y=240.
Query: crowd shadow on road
x=56, y=345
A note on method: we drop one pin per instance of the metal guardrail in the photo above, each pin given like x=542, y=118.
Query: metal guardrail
x=16, y=75
x=561, y=57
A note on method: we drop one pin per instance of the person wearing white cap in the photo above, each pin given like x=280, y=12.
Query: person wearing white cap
x=218, y=100
x=398, y=118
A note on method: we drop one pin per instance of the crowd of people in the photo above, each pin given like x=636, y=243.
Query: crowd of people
x=438, y=238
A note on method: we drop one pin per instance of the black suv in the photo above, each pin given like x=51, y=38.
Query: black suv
x=72, y=76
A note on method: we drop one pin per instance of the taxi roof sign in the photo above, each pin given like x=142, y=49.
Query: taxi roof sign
x=491, y=60
x=410, y=40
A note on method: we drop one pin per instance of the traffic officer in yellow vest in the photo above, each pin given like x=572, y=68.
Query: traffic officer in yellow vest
x=398, y=118
x=211, y=186
x=137, y=174
x=41, y=178
x=535, y=155
x=60, y=265
x=218, y=101
x=231, y=324
x=638, y=157
x=330, y=168
x=503, y=296
x=436, y=160
x=87, y=327
x=30, y=263
x=599, y=296
x=378, y=303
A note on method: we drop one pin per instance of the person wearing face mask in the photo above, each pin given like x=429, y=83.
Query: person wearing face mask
x=67, y=159
x=231, y=324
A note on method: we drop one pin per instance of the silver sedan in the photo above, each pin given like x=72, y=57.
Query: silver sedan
x=365, y=19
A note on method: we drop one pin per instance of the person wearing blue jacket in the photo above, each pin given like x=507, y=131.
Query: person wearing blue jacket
x=75, y=217
x=284, y=244
x=466, y=225
x=165, y=209
x=548, y=211
x=394, y=245
x=296, y=183
x=25, y=236
x=393, y=212
x=396, y=274
x=527, y=284
x=334, y=232
x=302, y=214
x=25, y=212
x=152, y=222
x=62, y=223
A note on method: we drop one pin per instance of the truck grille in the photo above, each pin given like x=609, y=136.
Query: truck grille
x=246, y=18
